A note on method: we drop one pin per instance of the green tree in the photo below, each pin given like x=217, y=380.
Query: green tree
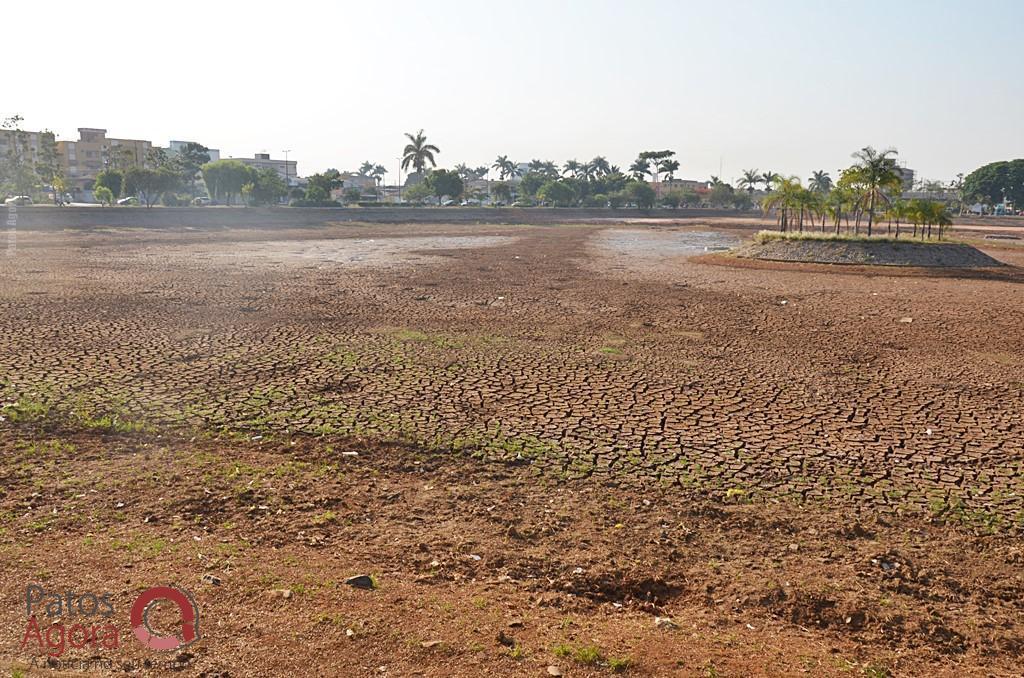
x=191, y=159
x=266, y=187
x=112, y=180
x=557, y=193
x=640, y=168
x=103, y=195
x=418, y=152
x=352, y=195
x=672, y=199
x=225, y=178
x=444, y=183
x=641, y=194
x=19, y=172
x=150, y=184
x=995, y=182
x=502, y=192
x=769, y=178
x=820, y=181
x=505, y=168
x=875, y=174
x=417, y=193
x=531, y=183
x=721, y=194
x=749, y=180
x=327, y=181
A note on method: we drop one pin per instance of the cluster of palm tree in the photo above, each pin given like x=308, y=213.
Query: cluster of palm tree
x=868, y=189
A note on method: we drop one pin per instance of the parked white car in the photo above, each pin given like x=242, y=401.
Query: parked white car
x=18, y=200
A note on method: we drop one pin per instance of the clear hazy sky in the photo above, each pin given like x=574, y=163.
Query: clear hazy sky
x=787, y=85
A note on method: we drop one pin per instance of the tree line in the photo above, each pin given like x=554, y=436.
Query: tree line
x=867, y=191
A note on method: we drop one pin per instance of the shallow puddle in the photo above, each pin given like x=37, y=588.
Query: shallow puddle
x=665, y=243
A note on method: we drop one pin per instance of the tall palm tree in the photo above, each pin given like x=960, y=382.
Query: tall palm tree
x=876, y=172
x=769, y=178
x=366, y=169
x=749, y=180
x=505, y=168
x=820, y=181
x=378, y=172
x=418, y=152
x=601, y=166
x=572, y=168
x=463, y=171
x=668, y=167
x=640, y=169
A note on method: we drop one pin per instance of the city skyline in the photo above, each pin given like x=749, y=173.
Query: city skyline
x=787, y=89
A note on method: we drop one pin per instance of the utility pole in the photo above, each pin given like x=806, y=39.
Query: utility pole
x=287, y=182
x=399, y=181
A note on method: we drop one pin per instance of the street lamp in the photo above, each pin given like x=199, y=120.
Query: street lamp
x=399, y=181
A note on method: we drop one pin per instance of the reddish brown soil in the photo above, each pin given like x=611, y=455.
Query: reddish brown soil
x=548, y=430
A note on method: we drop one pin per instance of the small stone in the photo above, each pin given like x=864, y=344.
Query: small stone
x=906, y=320
x=280, y=593
x=794, y=547
x=350, y=633
x=210, y=579
x=427, y=644
x=516, y=624
x=361, y=581
x=665, y=623
x=507, y=641
x=554, y=670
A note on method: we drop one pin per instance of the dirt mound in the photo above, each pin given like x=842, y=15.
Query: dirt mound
x=881, y=253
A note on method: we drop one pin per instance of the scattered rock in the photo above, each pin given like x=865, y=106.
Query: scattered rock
x=906, y=319
x=507, y=641
x=362, y=581
x=350, y=633
x=554, y=670
x=280, y=593
x=794, y=547
x=665, y=623
x=516, y=624
x=210, y=579
x=427, y=644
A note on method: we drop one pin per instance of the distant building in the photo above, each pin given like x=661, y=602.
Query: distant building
x=82, y=160
x=8, y=140
x=288, y=169
x=367, y=185
x=663, y=187
x=174, y=147
x=907, y=177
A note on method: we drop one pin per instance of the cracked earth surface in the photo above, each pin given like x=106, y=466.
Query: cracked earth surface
x=587, y=351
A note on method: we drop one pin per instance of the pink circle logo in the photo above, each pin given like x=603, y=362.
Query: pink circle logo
x=189, y=618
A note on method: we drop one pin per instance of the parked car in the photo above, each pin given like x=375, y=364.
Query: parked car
x=18, y=200
x=201, y=201
x=128, y=201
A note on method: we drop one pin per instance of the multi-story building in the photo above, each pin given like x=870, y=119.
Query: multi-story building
x=82, y=160
x=174, y=147
x=31, y=142
x=907, y=177
x=288, y=169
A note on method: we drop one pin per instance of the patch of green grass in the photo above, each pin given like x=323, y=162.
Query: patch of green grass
x=26, y=409
x=619, y=664
x=325, y=518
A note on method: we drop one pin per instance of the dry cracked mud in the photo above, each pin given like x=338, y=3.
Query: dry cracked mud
x=600, y=361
